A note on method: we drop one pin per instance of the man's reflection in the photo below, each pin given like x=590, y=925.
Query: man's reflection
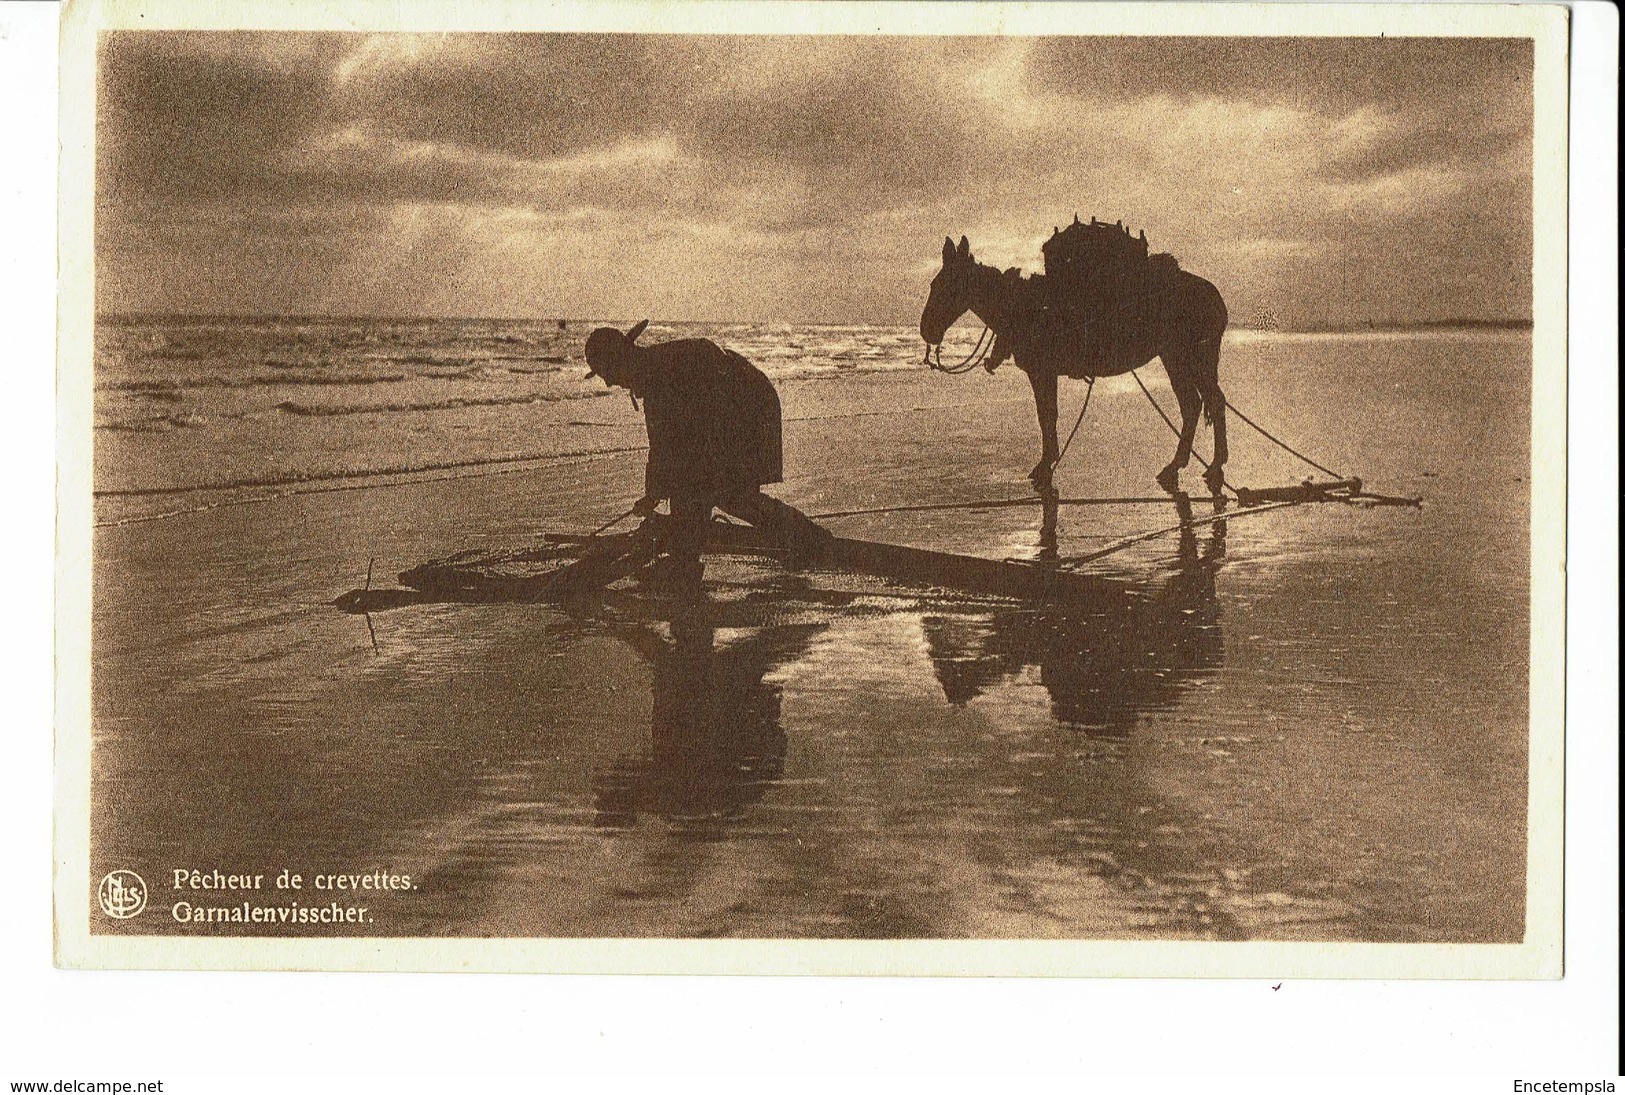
x=1104, y=663
x=716, y=736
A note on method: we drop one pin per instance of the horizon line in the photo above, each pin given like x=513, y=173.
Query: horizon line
x=1501, y=322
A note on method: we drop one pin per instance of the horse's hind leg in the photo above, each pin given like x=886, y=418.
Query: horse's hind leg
x=1046, y=399
x=1190, y=412
x=1205, y=360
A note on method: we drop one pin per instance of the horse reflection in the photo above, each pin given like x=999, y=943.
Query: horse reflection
x=1102, y=666
x=716, y=737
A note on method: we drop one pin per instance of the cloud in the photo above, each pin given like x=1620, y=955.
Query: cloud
x=798, y=177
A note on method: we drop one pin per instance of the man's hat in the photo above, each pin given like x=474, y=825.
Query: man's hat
x=607, y=341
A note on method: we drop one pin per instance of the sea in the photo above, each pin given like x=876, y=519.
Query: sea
x=216, y=385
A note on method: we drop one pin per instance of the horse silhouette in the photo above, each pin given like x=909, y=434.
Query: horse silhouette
x=1179, y=317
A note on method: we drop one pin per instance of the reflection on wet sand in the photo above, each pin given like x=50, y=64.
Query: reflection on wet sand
x=716, y=735
x=1102, y=853
x=777, y=758
x=1101, y=664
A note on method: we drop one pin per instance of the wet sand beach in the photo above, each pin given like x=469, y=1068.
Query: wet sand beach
x=1307, y=724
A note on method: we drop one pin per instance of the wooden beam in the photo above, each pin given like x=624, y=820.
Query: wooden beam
x=920, y=566
x=1140, y=538
x=607, y=558
x=1334, y=490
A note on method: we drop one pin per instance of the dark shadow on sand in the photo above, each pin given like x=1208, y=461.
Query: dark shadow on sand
x=717, y=741
x=1102, y=666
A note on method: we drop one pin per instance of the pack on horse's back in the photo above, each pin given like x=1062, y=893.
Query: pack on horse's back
x=1102, y=288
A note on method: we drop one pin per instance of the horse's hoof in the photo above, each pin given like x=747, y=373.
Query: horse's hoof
x=1214, y=478
x=1168, y=478
x=1042, y=476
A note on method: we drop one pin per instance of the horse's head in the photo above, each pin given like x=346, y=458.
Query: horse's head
x=950, y=292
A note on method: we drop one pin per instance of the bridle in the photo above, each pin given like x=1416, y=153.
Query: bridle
x=978, y=354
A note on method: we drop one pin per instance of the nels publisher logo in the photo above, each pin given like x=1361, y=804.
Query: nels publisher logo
x=122, y=894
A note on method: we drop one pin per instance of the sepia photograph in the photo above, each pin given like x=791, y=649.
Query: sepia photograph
x=925, y=488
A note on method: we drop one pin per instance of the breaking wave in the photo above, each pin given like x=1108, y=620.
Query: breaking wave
x=289, y=406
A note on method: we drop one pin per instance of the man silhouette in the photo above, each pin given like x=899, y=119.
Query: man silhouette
x=714, y=440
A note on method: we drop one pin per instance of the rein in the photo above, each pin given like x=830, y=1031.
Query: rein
x=977, y=355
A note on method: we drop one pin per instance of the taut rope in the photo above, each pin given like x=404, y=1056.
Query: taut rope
x=1135, y=373
x=1090, y=391
x=1318, y=467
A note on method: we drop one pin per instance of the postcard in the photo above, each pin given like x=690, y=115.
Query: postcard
x=778, y=487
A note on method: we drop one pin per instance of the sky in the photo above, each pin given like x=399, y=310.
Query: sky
x=800, y=179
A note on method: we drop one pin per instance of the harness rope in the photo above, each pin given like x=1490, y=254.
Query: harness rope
x=1135, y=373
x=1090, y=391
x=1241, y=415
x=990, y=503
x=1282, y=444
x=1114, y=547
x=971, y=361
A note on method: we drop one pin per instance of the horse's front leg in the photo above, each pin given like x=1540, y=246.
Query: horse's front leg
x=1045, y=399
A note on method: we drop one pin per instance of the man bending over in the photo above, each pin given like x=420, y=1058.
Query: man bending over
x=714, y=439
